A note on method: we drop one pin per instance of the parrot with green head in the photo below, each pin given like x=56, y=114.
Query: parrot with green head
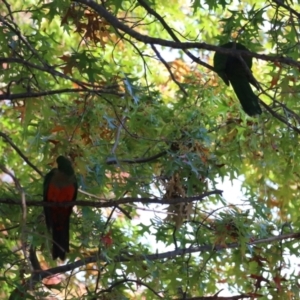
x=60, y=185
x=232, y=71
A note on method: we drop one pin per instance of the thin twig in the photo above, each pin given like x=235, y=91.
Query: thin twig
x=169, y=69
x=24, y=210
x=14, y=146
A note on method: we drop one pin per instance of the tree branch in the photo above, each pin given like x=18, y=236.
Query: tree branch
x=113, y=203
x=113, y=161
x=30, y=94
x=48, y=69
x=287, y=7
x=126, y=257
x=179, y=45
x=171, y=33
x=236, y=297
x=14, y=146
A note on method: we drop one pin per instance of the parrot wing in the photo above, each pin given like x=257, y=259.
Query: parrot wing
x=232, y=71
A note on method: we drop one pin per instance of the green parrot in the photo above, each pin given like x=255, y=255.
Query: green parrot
x=232, y=71
x=60, y=185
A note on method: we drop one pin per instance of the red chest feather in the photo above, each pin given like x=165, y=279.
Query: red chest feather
x=60, y=194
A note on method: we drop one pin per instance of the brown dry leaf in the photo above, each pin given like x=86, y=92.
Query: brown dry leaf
x=274, y=81
x=53, y=279
x=177, y=213
x=180, y=211
x=96, y=29
x=86, y=139
x=57, y=128
x=203, y=152
x=22, y=111
x=72, y=14
x=180, y=70
x=278, y=279
x=70, y=63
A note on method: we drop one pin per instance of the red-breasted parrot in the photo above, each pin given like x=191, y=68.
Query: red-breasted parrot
x=232, y=71
x=60, y=185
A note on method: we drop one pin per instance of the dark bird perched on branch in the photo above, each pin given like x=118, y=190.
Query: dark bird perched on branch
x=233, y=71
x=60, y=186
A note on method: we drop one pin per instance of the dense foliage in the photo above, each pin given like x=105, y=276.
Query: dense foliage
x=127, y=90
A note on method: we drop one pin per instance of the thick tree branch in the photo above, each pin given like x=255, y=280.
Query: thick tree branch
x=113, y=203
x=30, y=94
x=126, y=257
x=179, y=45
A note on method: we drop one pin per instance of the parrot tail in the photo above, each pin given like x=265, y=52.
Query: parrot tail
x=246, y=96
x=60, y=238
